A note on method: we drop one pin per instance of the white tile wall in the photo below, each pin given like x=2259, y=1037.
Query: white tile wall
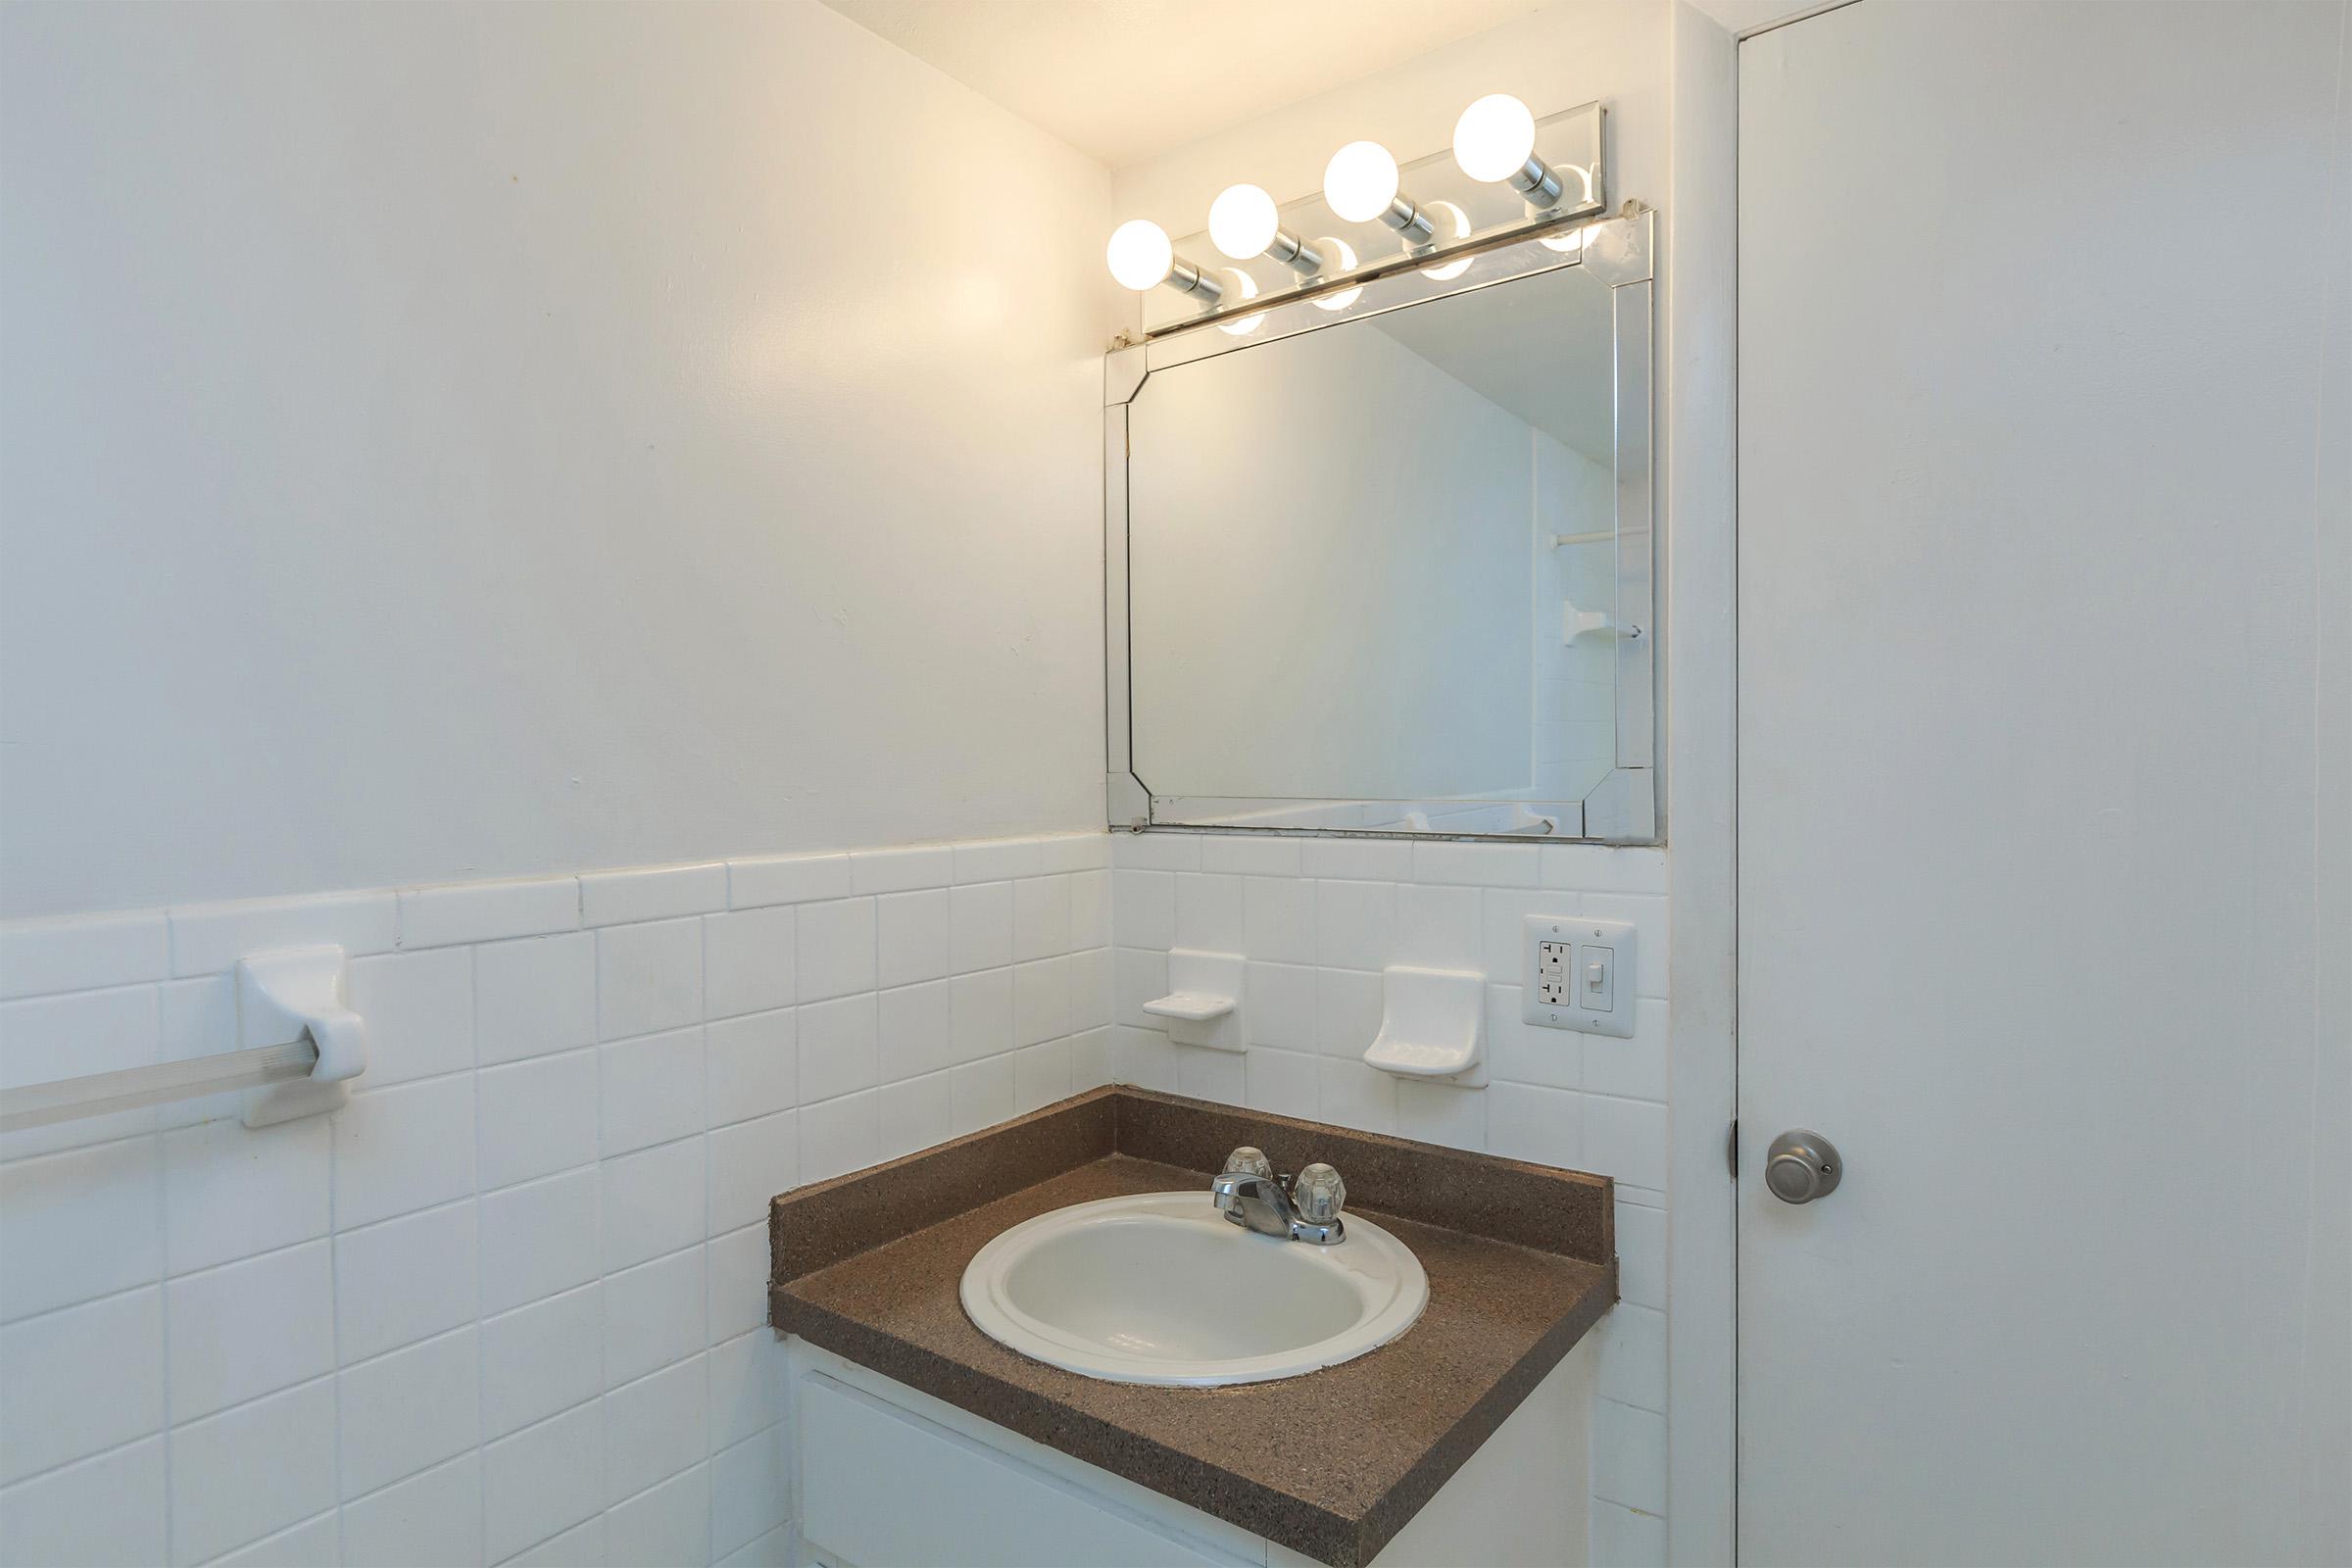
x=509, y=1304
x=1316, y=919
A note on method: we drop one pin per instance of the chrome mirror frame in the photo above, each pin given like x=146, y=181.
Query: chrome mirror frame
x=1624, y=808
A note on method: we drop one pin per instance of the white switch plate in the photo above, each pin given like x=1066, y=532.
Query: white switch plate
x=1564, y=956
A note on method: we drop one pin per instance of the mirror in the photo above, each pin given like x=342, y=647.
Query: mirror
x=1377, y=570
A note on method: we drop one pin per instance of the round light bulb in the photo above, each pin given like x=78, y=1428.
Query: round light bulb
x=1139, y=254
x=1494, y=137
x=1360, y=181
x=1242, y=222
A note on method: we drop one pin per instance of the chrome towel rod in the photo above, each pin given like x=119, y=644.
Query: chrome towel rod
x=98, y=1094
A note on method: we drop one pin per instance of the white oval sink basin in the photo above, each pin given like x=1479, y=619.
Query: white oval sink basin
x=1161, y=1287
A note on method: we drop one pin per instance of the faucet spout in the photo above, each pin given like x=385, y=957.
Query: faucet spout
x=1249, y=1193
x=1256, y=1201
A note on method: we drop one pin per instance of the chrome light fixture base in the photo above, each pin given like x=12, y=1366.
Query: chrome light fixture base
x=1294, y=253
x=1192, y=281
x=1411, y=223
x=1537, y=184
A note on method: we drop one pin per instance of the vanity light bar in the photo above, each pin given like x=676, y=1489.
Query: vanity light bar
x=1493, y=144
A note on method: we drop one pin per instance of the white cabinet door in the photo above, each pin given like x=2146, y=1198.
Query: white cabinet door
x=882, y=1487
x=2031, y=346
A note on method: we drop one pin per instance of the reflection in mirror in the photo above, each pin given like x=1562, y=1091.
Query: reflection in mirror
x=1372, y=569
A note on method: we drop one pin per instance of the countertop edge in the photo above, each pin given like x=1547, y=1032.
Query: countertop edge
x=1327, y=1537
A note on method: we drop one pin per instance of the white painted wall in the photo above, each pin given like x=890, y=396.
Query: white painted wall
x=1327, y=559
x=2327, y=1377
x=1698, y=476
x=456, y=440
x=469, y=440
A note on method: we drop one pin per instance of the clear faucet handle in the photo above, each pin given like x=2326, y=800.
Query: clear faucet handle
x=1317, y=1194
x=1251, y=1161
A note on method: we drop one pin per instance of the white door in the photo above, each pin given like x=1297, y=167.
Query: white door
x=2030, y=303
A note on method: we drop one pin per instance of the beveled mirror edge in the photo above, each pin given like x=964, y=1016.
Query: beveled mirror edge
x=1624, y=808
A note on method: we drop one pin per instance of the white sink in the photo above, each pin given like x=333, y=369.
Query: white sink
x=1161, y=1287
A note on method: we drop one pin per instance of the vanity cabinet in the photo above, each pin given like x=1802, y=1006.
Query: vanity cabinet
x=922, y=1439
x=889, y=1476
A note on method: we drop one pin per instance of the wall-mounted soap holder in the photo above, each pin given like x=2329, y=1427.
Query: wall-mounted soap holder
x=1203, y=1004
x=288, y=995
x=1433, y=1027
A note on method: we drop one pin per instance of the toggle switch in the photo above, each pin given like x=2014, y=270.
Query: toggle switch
x=1600, y=979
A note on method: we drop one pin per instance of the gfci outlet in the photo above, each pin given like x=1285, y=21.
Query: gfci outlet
x=1579, y=974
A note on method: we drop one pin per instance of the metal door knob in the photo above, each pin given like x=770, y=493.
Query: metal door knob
x=1801, y=1167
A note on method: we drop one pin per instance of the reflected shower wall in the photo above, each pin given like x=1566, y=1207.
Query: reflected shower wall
x=1348, y=603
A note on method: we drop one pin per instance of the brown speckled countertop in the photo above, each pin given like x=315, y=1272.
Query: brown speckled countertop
x=1521, y=1261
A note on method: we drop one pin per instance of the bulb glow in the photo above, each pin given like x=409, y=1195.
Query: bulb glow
x=1242, y=222
x=1140, y=254
x=1494, y=137
x=1459, y=221
x=1240, y=285
x=1340, y=257
x=1360, y=181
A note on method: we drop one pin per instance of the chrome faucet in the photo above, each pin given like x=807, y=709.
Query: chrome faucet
x=1301, y=1209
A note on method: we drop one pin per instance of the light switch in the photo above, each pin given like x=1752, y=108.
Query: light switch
x=1598, y=967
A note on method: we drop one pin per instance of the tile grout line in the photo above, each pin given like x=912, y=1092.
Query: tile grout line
x=163, y=1291
x=334, y=1170
x=481, y=1368
x=603, y=1304
x=709, y=1174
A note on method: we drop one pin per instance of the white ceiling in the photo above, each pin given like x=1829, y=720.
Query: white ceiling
x=1124, y=81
